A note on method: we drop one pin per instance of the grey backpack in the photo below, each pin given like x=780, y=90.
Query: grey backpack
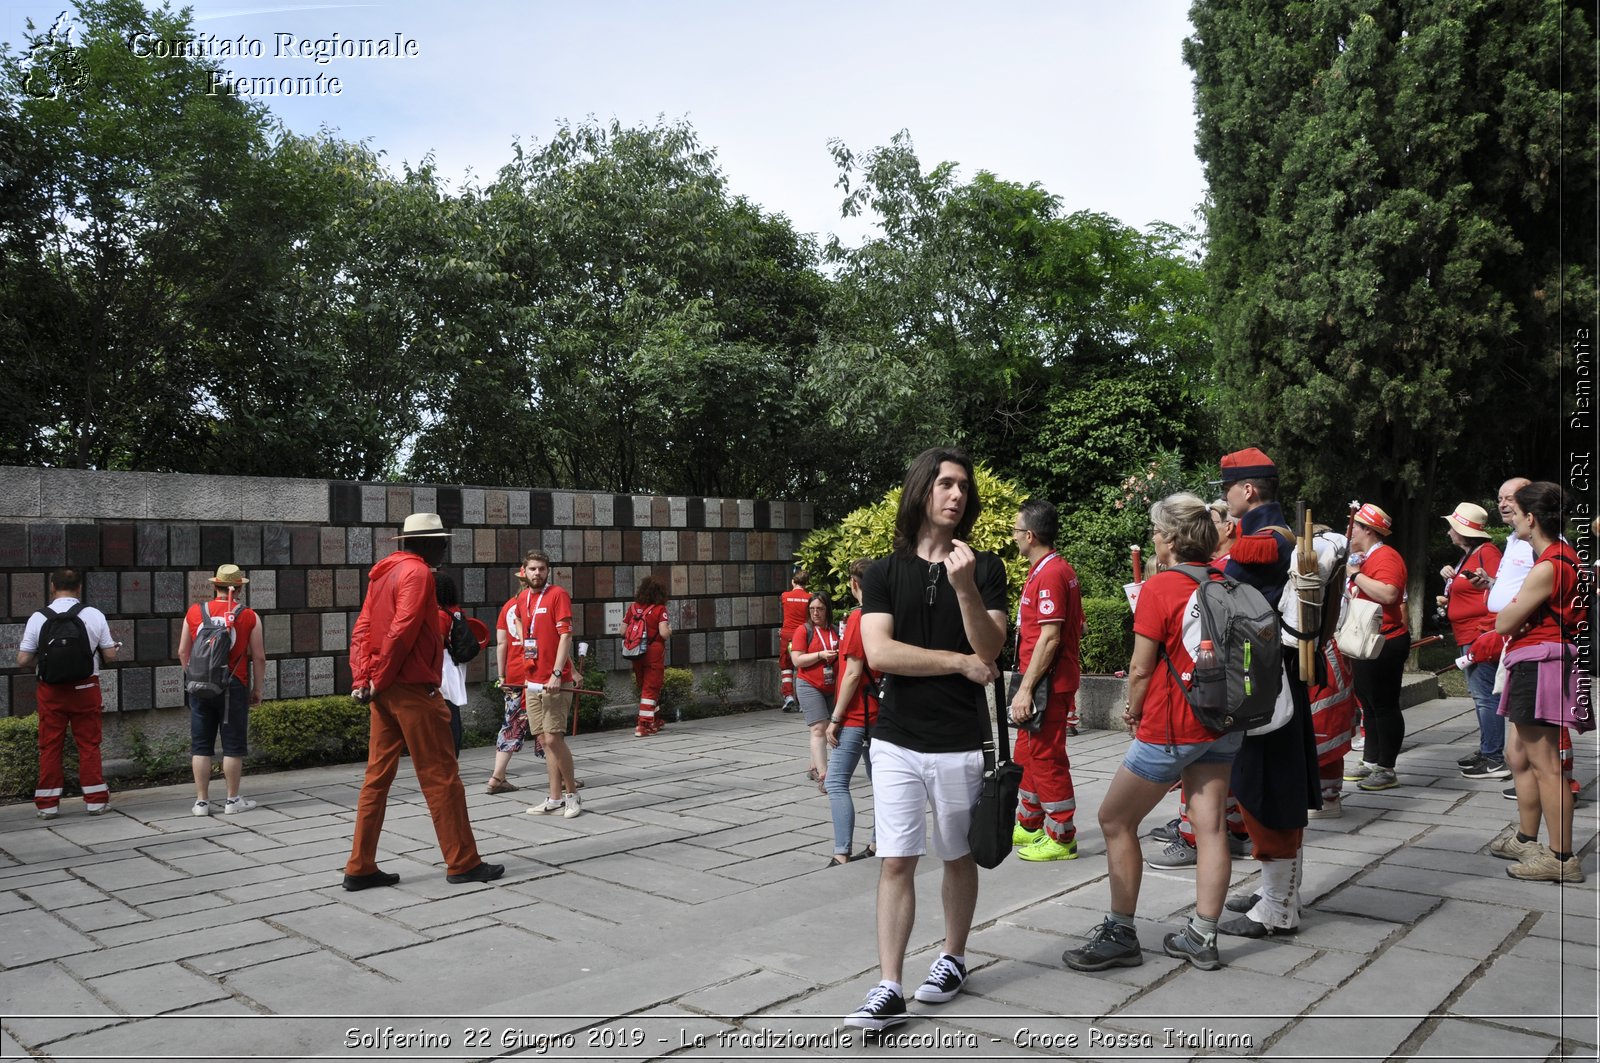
x=207, y=674
x=1241, y=691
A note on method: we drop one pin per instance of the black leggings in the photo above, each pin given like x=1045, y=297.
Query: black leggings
x=1377, y=684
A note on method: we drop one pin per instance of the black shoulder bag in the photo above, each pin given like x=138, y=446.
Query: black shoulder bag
x=995, y=814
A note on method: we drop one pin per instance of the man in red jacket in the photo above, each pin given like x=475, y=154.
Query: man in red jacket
x=395, y=657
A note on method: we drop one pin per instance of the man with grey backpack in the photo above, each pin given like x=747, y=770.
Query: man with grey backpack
x=224, y=662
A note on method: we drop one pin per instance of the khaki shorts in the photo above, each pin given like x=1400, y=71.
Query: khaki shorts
x=548, y=712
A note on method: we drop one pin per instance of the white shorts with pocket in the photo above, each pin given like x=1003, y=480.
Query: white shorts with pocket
x=906, y=785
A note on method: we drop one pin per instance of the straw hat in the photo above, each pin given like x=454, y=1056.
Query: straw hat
x=423, y=526
x=1470, y=520
x=229, y=576
x=1374, y=518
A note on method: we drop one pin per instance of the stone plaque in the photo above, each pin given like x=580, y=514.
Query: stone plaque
x=518, y=511
x=263, y=591
x=697, y=648
x=472, y=505
x=216, y=546
x=473, y=585
x=13, y=546
x=737, y=541
x=138, y=689
x=358, y=545
x=152, y=636
x=603, y=511
x=83, y=545
x=583, y=509
x=678, y=512
x=291, y=588
x=183, y=546
x=305, y=632
x=319, y=588
x=697, y=580
x=561, y=508
x=247, y=545
x=292, y=677
x=425, y=500
x=614, y=612
x=374, y=504
x=100, y=590
x=397, y=505
x=641, y=511
x=724, y=612
x=680, y=580
x=703, y=546
x=305, y=544
x=669, y=545
x=47, y=545
x=461, y=546
x=710, y=512
x=274, y=545
x=169, y=687
x=269, y=682
x=746, y=517
x=483, y=544
x=135, y=592
x=741, y=612
x=334, y=636
x=347, y=588
x=319, y=676
x=330, y=546
x=508, y=546
x=110, y=689
x=713, y=579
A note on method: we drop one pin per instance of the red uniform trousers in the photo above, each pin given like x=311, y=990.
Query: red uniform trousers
x=786, y=663
x=1231, y=814
x=414, y=717
x=1046, y=798
x=75, y=705
x=647, y=676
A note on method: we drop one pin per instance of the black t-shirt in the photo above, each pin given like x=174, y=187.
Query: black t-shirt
x=933, y=713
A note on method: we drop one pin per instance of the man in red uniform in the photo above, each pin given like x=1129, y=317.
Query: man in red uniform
x=395, y=657
x=512, y=669
x=544, y=613
x=71, y=703
x=229, y=712
x=1049, y=625
x=794, y=602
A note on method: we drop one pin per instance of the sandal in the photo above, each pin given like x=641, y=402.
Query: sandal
x=866, y=854
x=811, y=773
x=500, y=786
x=834, y=861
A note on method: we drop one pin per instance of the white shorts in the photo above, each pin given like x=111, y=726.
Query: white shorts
x=906, y=783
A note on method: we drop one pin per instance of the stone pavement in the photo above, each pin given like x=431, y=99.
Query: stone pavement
x=687, y=913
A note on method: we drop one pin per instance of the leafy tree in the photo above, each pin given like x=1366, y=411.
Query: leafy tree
x=127, y=232
x=1387, y=188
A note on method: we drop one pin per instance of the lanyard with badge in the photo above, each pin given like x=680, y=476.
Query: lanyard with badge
x=530, y=645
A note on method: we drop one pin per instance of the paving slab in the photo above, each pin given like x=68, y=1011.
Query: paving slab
x=690, y=901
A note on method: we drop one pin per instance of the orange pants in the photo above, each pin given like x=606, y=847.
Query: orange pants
x=411, y=716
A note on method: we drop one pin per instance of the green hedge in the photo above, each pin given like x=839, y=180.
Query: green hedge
x=677, y=691
x=1109, y=641
x=302, y=732
x=19, y=755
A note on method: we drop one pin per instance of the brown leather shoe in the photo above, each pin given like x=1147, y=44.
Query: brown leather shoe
x=500, y=786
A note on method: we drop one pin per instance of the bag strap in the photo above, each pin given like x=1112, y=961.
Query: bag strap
x=996, y=750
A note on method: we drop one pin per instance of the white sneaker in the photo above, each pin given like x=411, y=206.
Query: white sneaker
x=573, y=806
x=235, y=805
x=201, y=808
x=551, y=804
x=48, y=813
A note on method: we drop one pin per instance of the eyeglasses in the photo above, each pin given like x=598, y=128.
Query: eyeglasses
x=1019, y=531
x=933, y=582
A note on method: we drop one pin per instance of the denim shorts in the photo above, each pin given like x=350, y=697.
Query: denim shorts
x=206, y=722
x=1165, y=764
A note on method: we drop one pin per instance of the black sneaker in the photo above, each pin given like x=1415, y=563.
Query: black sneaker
x=944, y=981
x=1110, y=945
x=1469, y=760
x=1486, y=768
x=482, y=873
x=883, y=1008
x=1167, y=832
x=1509, y=793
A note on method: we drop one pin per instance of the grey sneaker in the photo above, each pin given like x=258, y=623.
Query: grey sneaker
x=1239, y=845
x=1360, y=771
x=1179, y=854
x=1110, y=945
x=1379, y=779
x=1167, y=832
x=1186, y=945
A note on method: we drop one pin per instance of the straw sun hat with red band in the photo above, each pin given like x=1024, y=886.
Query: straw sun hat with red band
x=1470, y=521
x=1374, y=518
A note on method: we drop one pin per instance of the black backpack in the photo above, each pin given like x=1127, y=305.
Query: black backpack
x=65, y=655
x=462, y=643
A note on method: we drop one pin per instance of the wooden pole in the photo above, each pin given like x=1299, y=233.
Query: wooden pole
x=1309, y=614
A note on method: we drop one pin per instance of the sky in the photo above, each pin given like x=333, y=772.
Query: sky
x=1091, y=100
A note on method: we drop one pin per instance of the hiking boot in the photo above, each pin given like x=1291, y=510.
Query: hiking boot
x=882, y=1009
x=201, y=808
x=1047, y=848
x=1241, y=925
x=1510, y=847
x=1186, y=945
x=234, y=805
x=1167, y=832
x=1379, y=779
x=1111, y=944
x=1542, y=866
x=1180, y=854
x=1360, y=771
x=1021, y=835
x=571, y=806
x=944, y=981
x=551, y=804
x=1486, y=768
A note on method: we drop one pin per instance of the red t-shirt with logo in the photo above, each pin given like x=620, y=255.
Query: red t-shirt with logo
x=822, y=638
x=795, y=601
x=1050, y=596
x=655, y=654
x=1385, y=565
x=547, y=614
x=1468, y=610
x=1168, y=614
x=243, y=625
x=862, y=710
x=516, y=669
x=1557, y=621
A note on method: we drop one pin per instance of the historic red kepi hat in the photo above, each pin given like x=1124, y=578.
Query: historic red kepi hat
x=1247, y=464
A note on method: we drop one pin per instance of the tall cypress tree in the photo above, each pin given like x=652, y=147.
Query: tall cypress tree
x=1402, y=222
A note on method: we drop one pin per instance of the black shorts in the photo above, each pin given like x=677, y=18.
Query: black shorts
x=1522, y=689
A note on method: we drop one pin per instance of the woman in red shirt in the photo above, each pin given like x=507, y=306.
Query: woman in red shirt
x=1169, y=743
x=1378, y=574
x=855, y=710
x=815, y=652
x=1466, y=606
x=1544, y=691
x=650, y=669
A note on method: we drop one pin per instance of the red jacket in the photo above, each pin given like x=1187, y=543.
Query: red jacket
x=396, y=637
